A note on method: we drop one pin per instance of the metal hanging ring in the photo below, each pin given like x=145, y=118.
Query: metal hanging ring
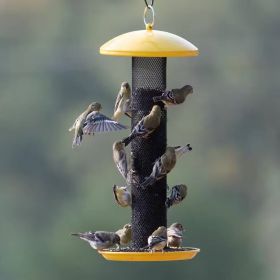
x=152, y=3
x=149, y=7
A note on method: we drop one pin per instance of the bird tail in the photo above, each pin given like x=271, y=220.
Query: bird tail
x=180, y=150
x=77, y=141
x=115, y=193
x=147, y=182
x=128, y=139
x=157, y=98
x=168, y=202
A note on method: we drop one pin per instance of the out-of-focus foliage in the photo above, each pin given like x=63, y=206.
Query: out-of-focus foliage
x=50, y=70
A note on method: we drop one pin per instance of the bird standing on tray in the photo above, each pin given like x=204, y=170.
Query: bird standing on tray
x=165, y=164
x=177, y=194
x=174, y=96
x=124, y=234
x=175, y=235
x=119, y=157
x=100, y=239
x=158, y=239
x=122, y=101
x=145, y=126
x=79, y=123
x=122, y=195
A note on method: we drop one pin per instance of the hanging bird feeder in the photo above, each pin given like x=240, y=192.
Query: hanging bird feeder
x=149, y=50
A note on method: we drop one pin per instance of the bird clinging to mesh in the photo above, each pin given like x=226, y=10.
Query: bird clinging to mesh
x=177, y=194
x=145, y=126
x=120, y=159
x=122, y=101
x=174, y=96
x=122, y=195
x=165, y=164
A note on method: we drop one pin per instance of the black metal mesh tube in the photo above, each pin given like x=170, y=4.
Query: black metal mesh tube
x=148, y=206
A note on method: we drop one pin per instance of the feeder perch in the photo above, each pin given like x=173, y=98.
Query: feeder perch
x=149, y=50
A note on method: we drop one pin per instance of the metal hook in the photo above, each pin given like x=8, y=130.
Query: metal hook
x=149, y=25
x=148, y=5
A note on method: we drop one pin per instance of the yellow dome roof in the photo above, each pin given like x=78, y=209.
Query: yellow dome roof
x=149, y=43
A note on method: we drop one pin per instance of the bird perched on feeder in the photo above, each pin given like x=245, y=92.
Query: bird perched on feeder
x=145, y=126
x=119, y=157
x=124, y=234
x=165, y=164
x=174, y=96
x=158, y=239
x=79, y=123
x=177, y=194
x=122, y=101
x=175, y=235
x=122, y=195
x=100, y=239
x=97, y=123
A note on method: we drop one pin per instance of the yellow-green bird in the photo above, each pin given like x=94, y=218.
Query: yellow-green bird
x=177, y=194
x=80, y=121
x=145, y=126
x=119, y=157
x=99, y=240
x=122, y=195
x=165, y=164
x=174, y=96
x=122, y=101
x=158, y=239
x=124, y=234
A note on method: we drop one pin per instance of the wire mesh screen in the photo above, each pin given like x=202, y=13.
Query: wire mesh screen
x=148, y=206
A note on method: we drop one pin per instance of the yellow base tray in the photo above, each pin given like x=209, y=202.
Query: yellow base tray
x=186, y=254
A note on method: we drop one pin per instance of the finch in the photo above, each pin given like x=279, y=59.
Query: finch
x=177, y=194
x=122, y=195
x=175, y=235
x=165, y=164
x=99, y=240
x=122, y=101
x=79, y=123
x=158, y=239
x=124, y=234
x=174, y=96
x=145, y=126
x=119, y=157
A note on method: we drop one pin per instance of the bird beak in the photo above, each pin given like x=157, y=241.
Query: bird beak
x=78, y=234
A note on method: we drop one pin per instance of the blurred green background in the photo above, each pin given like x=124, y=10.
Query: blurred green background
x=50, y=70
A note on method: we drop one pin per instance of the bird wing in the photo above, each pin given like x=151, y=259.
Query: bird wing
x=118, y=100
x=153, y=240
x=98, y=122
x=173, y=232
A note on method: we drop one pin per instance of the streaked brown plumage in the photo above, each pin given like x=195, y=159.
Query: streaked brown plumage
x=174, y=96
x=119, y=157
x=175, y=235
x=145, y=126
x=158, y=239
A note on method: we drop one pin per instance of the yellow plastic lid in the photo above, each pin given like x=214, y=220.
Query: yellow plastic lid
x=149, y=43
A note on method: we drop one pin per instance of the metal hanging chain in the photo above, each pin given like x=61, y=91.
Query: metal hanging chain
x=149, y=5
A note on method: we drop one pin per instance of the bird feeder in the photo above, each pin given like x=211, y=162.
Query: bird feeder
x=149, y=50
